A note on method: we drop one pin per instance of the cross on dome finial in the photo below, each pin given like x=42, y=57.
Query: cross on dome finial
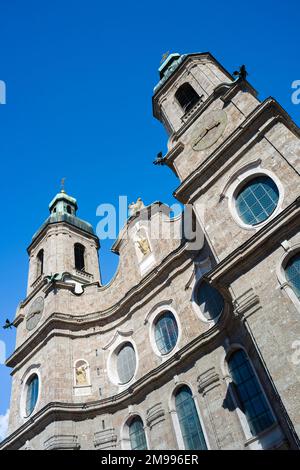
x=165, y=56
x=62, y=183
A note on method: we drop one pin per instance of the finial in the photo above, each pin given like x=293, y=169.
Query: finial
x=62, y=183
x=165, y=56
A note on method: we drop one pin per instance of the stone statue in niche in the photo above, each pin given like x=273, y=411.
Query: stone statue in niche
x=143, y=244
x=81, y=374
x=136, y=207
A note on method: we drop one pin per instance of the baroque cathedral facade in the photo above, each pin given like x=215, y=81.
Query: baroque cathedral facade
x=193, y=343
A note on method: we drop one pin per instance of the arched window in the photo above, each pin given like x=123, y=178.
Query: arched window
x=137, y=434
x=189, y=422
x=187, y=97
x=292, y=273
x=79, y=256
x=32, y=391
x=166, y=332
x=126, y=363
x=257, y=199
x=69, y=209
x=40, y=263
x=248, y=393
x=210, y=300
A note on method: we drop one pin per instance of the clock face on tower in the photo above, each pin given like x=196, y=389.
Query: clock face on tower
x=209, y=129
x=35, y=313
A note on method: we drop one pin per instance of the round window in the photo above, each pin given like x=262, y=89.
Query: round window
x=166, y=333
x=209, y=300
x=126, y=363
x=257, y=199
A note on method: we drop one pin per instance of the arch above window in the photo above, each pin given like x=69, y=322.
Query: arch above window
x=79, y=256
x=187, y=97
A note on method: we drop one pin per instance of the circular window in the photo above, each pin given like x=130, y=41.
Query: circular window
x=126, y=363
x=257, y=199
x=32, y=391
x=166, y=332
x=209, y=300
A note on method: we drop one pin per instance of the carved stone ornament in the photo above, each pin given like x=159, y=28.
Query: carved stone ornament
x=136, y=207
x=35, y=313
x=209, y=129
x=143, y=244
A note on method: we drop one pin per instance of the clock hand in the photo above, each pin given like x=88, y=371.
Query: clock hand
x=206, y=130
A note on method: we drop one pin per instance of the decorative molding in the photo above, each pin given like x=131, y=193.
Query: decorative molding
x=155, y=415
x=62, y=442
x=118, y=333
x=246, y=304
x=208, y=380
x=105, y=439
x=56, y=410
x=155, y=307
x=179, y=257
x=263, y=117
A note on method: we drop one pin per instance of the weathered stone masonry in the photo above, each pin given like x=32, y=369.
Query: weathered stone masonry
x=71, y=328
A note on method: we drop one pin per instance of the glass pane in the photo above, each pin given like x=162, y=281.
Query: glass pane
x=250, y=395
x=166, y=333
x=137, y=435
x=257, y=200
x=32, y=394
x=189, y=422
x=292, y=271
x=126, y=363
x=209, y=300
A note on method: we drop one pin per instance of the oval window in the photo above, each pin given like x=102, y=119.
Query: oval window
x=166, y=333
x=126, y=363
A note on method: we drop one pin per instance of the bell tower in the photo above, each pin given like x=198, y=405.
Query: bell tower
x=63, y=244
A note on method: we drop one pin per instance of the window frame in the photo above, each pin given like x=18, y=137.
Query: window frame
x=33, y=370
x=124, y=433
x=78, y=245
x=252, y=442
x=241, y=187
x=152, y=318
x=112, y=371
x=188, y=107
x=285, y=286
x=175, y=419
x=240, y=178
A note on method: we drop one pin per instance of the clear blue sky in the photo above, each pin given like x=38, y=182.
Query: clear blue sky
x=79, y=79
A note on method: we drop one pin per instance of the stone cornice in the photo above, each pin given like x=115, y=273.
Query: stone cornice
x=132, y=299
x=65, y=225
x=78, y=411
x=191, y=187
x=251, y=250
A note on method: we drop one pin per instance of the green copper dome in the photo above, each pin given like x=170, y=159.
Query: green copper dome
x=63, y=208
